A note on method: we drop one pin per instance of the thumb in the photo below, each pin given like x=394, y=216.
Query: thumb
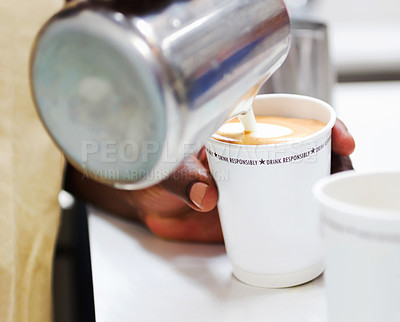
x=342, y=141
x=193, y=184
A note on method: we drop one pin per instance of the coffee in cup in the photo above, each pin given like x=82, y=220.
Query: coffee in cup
x=269, y=130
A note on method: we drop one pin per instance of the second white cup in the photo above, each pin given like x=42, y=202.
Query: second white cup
x=360, y=215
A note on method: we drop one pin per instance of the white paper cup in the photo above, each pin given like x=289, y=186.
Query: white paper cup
x=268, y=215
x=361, y=227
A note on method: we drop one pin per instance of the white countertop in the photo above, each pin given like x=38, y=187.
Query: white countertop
x=139, y=277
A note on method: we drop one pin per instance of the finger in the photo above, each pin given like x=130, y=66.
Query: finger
x=340, y=163
x=193, y=184
x=342, y=141
x=187, y=227
x=202, y=156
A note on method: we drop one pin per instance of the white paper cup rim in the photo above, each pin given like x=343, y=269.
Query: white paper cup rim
x=348, y=209
x=284, y=145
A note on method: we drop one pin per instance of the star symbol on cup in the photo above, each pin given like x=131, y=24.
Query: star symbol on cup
x=262, y=161
x=215, y=154
x=312, y=150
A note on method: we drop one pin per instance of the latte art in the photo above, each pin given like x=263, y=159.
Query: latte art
x=269, y=130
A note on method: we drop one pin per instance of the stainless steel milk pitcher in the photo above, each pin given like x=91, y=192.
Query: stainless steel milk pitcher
x=127, y=90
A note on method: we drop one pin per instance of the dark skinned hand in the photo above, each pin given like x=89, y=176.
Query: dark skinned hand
x=183, y=207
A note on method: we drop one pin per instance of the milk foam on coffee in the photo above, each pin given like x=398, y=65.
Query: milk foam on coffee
x=267, y=130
